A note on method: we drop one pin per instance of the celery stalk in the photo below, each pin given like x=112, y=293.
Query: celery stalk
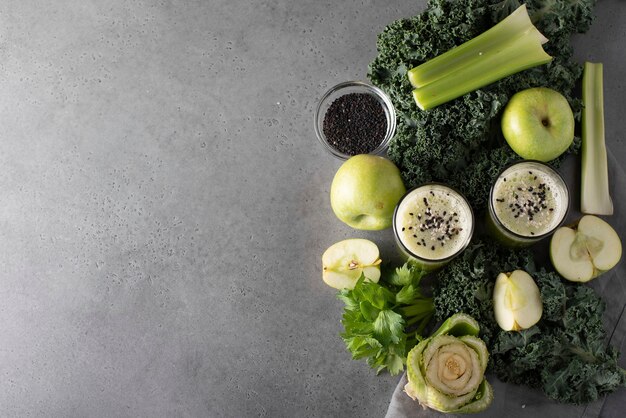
x=459, y=57
x=511, y=46
x=594, y=197
x=520, y=54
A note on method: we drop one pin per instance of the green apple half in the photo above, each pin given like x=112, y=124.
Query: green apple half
x=584, y=251
x=365, y=191
x=538, y=124
x=517, y=301
x=345, y=261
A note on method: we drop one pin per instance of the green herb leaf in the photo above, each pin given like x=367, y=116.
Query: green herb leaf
x=369, y=312
x=388, y=327
x=401, y=276
x=407, y=294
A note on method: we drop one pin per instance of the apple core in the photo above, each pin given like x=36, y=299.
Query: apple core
x=432, y=224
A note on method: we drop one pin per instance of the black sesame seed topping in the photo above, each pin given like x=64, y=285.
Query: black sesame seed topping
x=528, y=201
x=435, y=226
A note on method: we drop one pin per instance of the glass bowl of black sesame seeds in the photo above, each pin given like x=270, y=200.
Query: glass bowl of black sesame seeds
x=353, y=118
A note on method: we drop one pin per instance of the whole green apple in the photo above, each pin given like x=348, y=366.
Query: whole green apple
x=365, y=192
x=538, y=124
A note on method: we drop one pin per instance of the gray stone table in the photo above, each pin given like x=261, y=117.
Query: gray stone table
x=164, y=204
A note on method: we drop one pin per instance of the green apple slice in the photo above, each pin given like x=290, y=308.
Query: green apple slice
x=517, y=301
x=345, y=261
x=584, y=251
x=570, y=260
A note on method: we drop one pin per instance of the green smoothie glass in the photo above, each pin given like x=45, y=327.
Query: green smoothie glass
x=528, y=201
x=432, y=224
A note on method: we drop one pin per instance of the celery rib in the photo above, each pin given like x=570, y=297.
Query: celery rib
x=511, y=46
x=458, y=57
x=594, y=197
x=493, y=66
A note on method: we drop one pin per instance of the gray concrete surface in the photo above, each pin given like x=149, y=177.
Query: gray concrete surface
x=164, y=205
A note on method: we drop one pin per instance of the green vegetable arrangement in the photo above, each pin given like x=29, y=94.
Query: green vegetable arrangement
x=460, y=142
x=457, y=140
x=565, y=354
